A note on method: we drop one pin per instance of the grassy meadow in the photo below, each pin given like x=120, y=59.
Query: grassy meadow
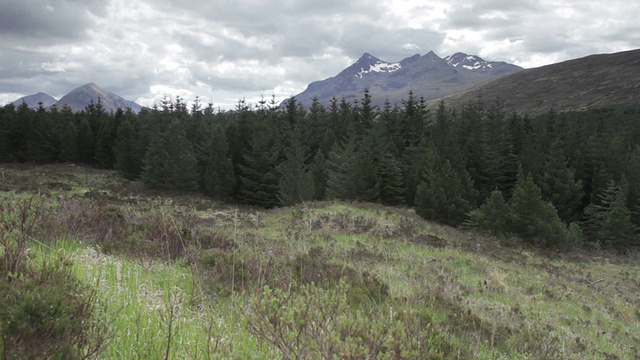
x=181, y=276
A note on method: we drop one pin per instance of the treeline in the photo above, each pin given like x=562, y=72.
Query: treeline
x=554, y=180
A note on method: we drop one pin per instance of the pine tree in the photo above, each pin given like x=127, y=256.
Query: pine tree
x=559, y=186
x=105, y=141
x=86, y=142
x=445, y=194
x=494, y=216
x=127, y=160
x=295, y=183
x=219, y=180
x=169, y=162
x=608, y=220
x=320, y=176
x=258, y=184
x=632, y=172
x=383, y=168
x=339, y=167
x=534, y=219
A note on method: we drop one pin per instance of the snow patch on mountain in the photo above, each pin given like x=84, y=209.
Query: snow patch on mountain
x=379, y=67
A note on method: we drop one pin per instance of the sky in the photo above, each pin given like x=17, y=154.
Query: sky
x=227, y=50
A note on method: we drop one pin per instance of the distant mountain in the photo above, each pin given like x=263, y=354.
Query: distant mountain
x=594, y=81
x=34, y=101
x=79, y=98
x=428, y=76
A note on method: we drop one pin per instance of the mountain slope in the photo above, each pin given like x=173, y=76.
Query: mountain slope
x=428, y=76
x=79, y=98
x=591, y=82
x=33, y=101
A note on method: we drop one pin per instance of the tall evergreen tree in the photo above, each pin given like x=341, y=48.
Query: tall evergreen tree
x=257, y=180
x=445, y=194
x=608, y=220
x=559, y=186
x=340, y=184
x=86, y=142
x=534, y=219
x=127, y=160
x=320, y=175
x=494, y=216
x=219, y=179
x=169, y=162
x=632, y=172
x=295, y=183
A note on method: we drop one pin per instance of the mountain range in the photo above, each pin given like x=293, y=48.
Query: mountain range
x=590, y=82
x=428, y=76
x=595, y=81
x=79, y=98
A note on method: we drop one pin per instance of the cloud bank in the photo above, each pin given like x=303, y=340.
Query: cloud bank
x=226, y=50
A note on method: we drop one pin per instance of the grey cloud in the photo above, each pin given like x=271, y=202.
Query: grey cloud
x=268, y=44
x=46, y=21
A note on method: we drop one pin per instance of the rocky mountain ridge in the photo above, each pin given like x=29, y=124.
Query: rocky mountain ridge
x=428, y=76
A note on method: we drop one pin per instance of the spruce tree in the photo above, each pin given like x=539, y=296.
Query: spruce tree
x=258, y=183
x=320, y=176
x=105, y=141
x=169, y=162
x=445, y=194
x=534, y=219
x=339, y=168
x=127, y=160
x=219, y=180
x=390, y=183
x=86, y=142
x=494, y=216
x=559, y=186
x=295, y=183
x=632, y=172
x=608, y=220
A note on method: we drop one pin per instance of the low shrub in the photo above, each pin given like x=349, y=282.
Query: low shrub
x=47, y=313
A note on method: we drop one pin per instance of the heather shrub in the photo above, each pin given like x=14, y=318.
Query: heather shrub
x=47, y=313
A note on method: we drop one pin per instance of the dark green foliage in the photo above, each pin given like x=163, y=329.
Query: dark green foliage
x=339, y=166
x=85, y=142
x=127, y=160
x=69, y=146
x=632, y=172
x=534, y=219
x=390, y=183
x=47, y=314
x=258, y=183
x=494, y=216
x=319, y=173
x=169, y=162
x=106, y=140
x=446, y=162
x=295, y=183
x=608, y=220
x=445, y=194
x=559, y=186
x=219, y=179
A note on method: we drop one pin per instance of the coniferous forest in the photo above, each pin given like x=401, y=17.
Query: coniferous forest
x=557, y=180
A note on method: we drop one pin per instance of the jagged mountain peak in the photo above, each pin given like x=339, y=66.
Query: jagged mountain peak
x=428, y=75
x=367, y=58
x=369, y=64
x=469, y=62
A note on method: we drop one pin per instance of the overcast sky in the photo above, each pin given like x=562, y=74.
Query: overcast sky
x=225, y=50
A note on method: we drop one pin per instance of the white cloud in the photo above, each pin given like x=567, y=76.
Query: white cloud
x=227, y=50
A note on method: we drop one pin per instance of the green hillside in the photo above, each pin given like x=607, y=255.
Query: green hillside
x=180, y=276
